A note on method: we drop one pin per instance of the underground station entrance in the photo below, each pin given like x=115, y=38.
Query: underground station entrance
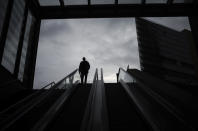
x=143, y=99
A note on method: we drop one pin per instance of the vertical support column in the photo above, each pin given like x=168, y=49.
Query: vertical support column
x=194, y=27
x=31, y=55
x=5, y=27
x=20, y=45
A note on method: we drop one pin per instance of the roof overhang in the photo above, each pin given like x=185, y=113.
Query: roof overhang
x=143, y=9
x=107, y=11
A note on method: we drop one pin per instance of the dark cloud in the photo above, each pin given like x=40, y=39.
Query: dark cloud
x=53, y=28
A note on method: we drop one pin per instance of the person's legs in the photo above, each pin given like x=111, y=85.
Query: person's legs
x=81, y=76
x=86, y=78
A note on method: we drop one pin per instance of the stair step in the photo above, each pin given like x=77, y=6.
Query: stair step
x=122, y=113
x=72, y=113
x=29, y=119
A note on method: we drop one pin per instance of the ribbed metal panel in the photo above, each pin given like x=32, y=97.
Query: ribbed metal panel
x=12, y=39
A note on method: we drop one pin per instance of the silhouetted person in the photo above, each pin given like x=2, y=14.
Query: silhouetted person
x=83, y=70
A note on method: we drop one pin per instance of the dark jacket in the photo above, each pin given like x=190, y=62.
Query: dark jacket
x=84, y=67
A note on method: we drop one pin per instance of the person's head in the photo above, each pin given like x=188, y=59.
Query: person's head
x=84, y=58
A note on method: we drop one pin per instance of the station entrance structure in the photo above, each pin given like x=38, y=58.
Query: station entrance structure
x=21, y=20
x=139, y=101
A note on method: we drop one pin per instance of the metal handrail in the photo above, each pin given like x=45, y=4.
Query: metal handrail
x=133, y=98
x=55, y=108
x=96, y=116
x=71, y=74
x=105, y=118
x=26, y=98
x=102, y=79
x=160, y=100
x=26, y=108
x=23, y=110
x=50, y=84
x=85, y=122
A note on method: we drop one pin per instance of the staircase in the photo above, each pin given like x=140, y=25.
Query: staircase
x=6, y=102
x=27, y=121
x=71, y=114
x=68, y=105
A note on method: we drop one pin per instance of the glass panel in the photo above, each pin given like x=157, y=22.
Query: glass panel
x=49, y=2
x=12, y=40
x=74, y=78
x=25, y=45
x=76, y=2
x=102, y=1
x=129, y=1
x=128, y=79
x=156, y=1
x=3, y=7
x=182, y=1
x=63, y=84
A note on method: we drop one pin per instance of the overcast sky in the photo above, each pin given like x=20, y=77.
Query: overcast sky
x=107, y=43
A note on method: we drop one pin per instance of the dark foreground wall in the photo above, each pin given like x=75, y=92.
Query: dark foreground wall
x=9, y=88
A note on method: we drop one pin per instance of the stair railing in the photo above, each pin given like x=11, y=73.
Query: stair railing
x=27, y=98
x=12, y=118
x=148, y=103
x=70, y=83
x=104, y=114
x=19, y=103
x=49, y=85
x=95, y=116
x=88, y=111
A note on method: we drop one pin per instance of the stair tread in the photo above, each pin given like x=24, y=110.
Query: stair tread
x=73, y=111
x=122, y=113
